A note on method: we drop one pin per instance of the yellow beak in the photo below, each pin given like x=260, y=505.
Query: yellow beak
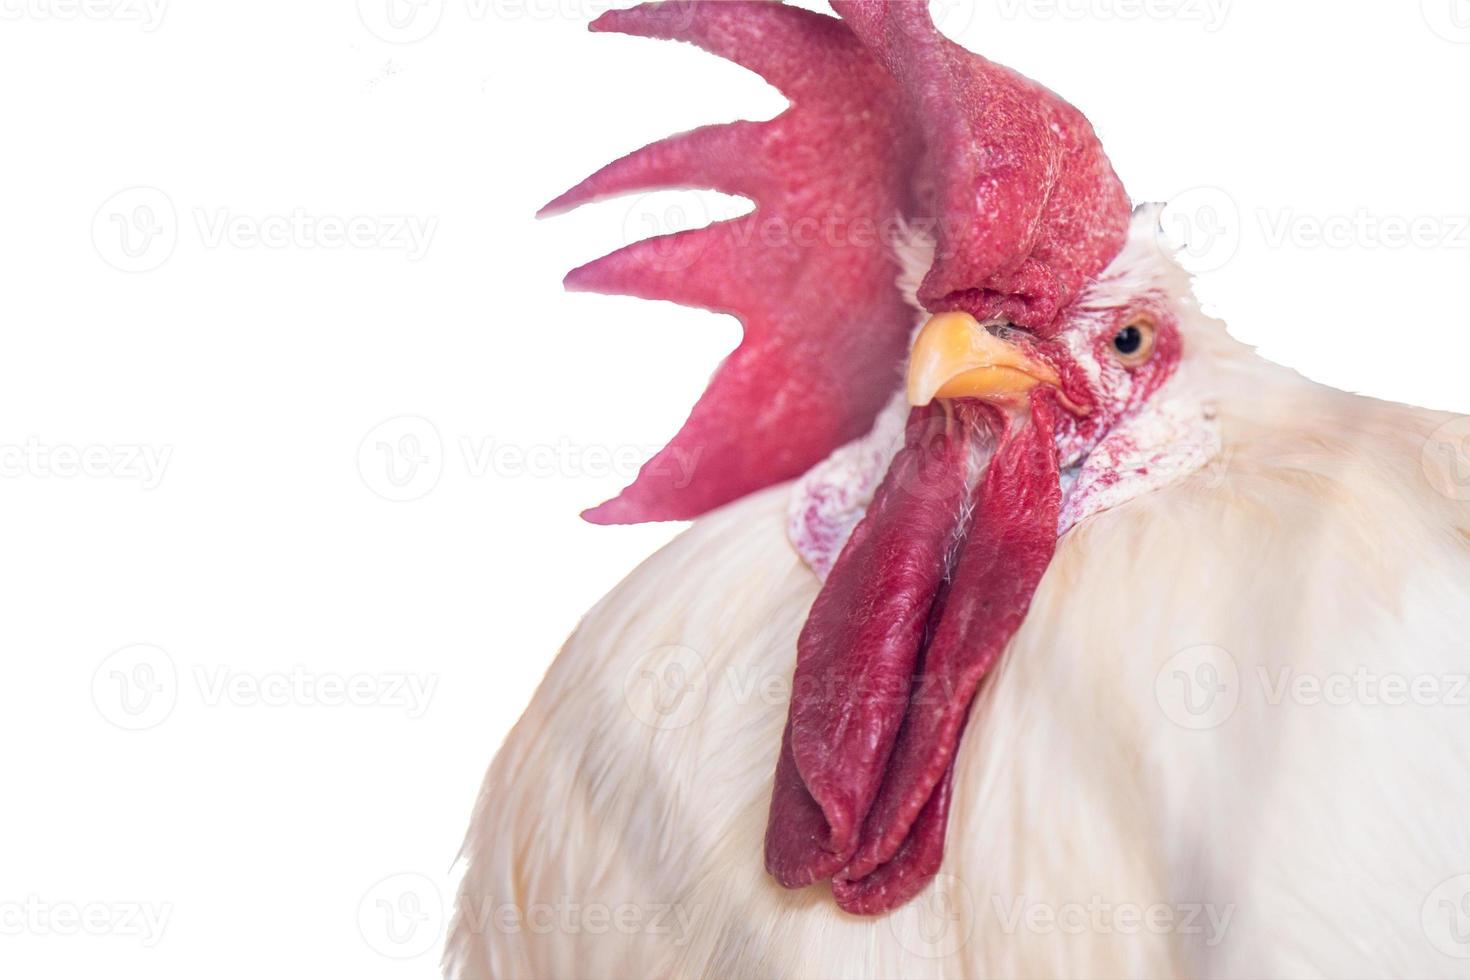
x=955, y=357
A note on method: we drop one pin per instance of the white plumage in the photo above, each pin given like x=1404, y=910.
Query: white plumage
x=1096, y=829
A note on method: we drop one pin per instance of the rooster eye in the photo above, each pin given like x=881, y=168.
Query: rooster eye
x=1134, y=343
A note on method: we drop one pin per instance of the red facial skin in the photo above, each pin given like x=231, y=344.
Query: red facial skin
x=1122, y=389
x=1107, y=390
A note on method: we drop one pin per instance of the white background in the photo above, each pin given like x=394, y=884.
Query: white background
x=196, y=465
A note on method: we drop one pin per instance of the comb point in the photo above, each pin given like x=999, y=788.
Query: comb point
x=558, y=205
x=608, y=514
x=603, y=23
x=824, y=326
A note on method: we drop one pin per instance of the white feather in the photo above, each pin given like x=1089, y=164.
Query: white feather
x=1308, y=836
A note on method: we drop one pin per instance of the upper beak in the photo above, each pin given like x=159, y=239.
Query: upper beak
x=955, y=357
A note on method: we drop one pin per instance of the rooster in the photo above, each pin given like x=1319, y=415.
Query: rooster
x=984, y=655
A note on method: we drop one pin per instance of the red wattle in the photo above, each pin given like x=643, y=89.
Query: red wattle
x=857, y=653
x=1007, y=549
x=863, y=782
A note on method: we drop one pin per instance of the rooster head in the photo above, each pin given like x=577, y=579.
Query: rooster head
x=1020, y=353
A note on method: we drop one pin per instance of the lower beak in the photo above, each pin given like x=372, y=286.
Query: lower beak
x=955, y=357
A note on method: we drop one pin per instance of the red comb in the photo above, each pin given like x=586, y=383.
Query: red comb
x=1024, y=204
x=888, y=121
x=810, y=273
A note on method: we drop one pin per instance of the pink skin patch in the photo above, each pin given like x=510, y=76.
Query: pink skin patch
x=1169, y=438
x=830, y=500
x=1162, y=444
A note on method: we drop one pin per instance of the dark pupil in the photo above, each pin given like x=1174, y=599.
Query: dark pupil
x=1128, y=341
